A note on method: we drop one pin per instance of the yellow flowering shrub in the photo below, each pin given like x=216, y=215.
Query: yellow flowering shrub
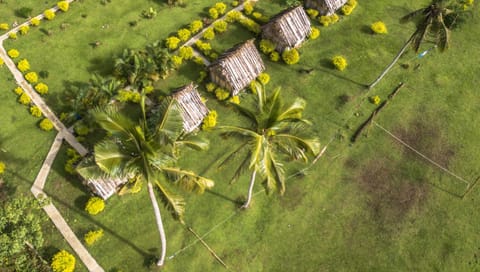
x=210, y=121
x=263, y=78
x=23, y=65
x=274, y=56
x=235, y=3
x=220, y=26
x=312, y=13
x=177, y=60
x=2, y=167
x=291, y=56
x=13, y=53
x=266, y=46
x=4, y=26
x=184, y=34
x=31, y=77
x=18, y=90
x=210, y=86
x=93, y=236
x=1, y=62
x=172, y=42
x=63, y=262
x=375, y=99
x=209, y=34
x=46, y=125
x=221, y=94
x=185, y=52
x=24, y=99
x=233, y=16
x=195, y=26
x=314, y=33
x=213, y=13
x=41, y=88
x=379, y=27
x=234, y=99
x=250, y=24
x=35, y=111
x=95, y=205
x=49, y=14
x=220, y=7
x=339, y=62
x=24, y=29
x=63, y=6
x=35, y=22
x=12, y=35
x=205, y=47
x=248, y=8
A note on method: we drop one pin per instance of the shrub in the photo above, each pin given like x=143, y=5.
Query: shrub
x=63, y=262
x=41, y=88
x=195, y=26
x=149, y=13
x=35, y=22
x=46, y=125
x=347, y=10
x=312, y=13
x=185, y=52
x=213, y=13
x=95, y=205
x=4, y=26
x=234, y=99
x=176, y=60
x=352, y=3
x=172, y=42
x=314, y=33
x=375, y=99
x=23, y=65
x=221, y=94
x=92, y=236
x=63, y=6
x=35, y=111
x=12, y=35
x=128, y=96
x=49, y=14
x=274, y=56
x=205, y=47
x=18, y=90
x=291, y=56
x=235, y=3
x=213, y=56
x=328, y=20
x=184, y=34
x=13, y=53
x=24, y=12
x=210, y=121
x=248, y=8
x=263, y=78
x=379, y=27
x=2, y=167
x=24, y=29
x=339, y=62
x=250, y=24
x=210, y=87
x=233, y=16
x=1, y=62
x=74, y=158
x=81, y=129
x=198, y=60
x=220, y=7
x=31, y=77
x=209, y=34
x=220, y=26
x=24, y=99
x=266, y=46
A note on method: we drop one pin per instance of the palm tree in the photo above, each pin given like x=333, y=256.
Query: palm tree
x=433, y=22
x=275, y=133
x=147, y=150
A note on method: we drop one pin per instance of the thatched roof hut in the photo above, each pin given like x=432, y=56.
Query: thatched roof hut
x=237, y=67
x=288, y=29
x=191, y=106
x=325, y=7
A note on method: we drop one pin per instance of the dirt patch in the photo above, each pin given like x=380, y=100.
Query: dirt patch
x=292, y=198
x=390, y=195
x=428, y=139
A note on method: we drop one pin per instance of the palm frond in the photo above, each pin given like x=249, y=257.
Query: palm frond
x=412, y=15
x=111, y=120
x=232, y=155
x=237, y=131
x=272, y=172
x=188, y=180
x=193, y=142
x=294, y=112
x=113, y=159
x=257, y=150
x=168, y=121
x=242, y=168
x=175, y=204
x=297, y=147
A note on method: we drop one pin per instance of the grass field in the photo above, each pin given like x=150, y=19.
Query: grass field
x=370, y=206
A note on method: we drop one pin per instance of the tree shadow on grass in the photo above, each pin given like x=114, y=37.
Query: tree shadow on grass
x=102, y=66
x=327, y=69
x=234, y=201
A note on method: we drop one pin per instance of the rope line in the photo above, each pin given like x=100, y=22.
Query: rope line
x=421, y=155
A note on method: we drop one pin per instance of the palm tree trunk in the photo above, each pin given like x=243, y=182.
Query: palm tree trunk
x=397, y=57
x=250, y=190
x=158, y=218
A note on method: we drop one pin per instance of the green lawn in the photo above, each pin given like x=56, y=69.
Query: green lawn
x=13, y=11
x=370, y=206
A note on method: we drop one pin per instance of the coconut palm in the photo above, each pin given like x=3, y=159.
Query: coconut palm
x=147, y=150
x=433, y=23
x=276, y=132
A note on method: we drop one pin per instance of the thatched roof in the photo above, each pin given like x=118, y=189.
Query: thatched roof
x=288, y=29
x=237, y=67
x=325, y=7
x=191, y=107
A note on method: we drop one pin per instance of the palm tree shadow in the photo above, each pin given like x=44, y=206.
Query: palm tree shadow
x=234, y=201
x=327, y=67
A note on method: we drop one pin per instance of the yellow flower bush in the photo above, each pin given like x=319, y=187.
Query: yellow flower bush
x=41, y=88
x=339, y=62
x=248, y=8
x=35, y=22
x=4, y=26
x=1, y=62
x=184, y=34
x=63, y=6
x=172, y=42
x=23, y=65
x=92, y=236
x=314, y=33
x=379, y=27
x=35, y=111
x=263, y=78
x=209, y=34
x=95, y=205
x=185, y=52
x=195, y=26
x=177, y=60
x=213, y=13
x=233, y=16
x=49, y=14
x=24, y=29
x=210, y=87
x=291, y=56
x=203, y=46
x=31, y=77
x=220, y=26
x=46, y=125
x=234, y=99
x=210, y=121
x=24, y=99
x=274, y=56
x=221, y=94
x=2, y=167
x=220, y=7
x=328, y=20
x=13, y=53
x=12, y=35
x=63, y=262
x=18, y=90
x=266, y=46
x=375, y=99
x=312, y=13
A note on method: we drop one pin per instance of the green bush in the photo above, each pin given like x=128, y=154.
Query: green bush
x=220, y=26
x=195, y=26
x=93, y=236
x=95, y=205
x=63, y=262
x=291, y=56
x=267, y=46
x=250, y=24
x=184, y=34
x=209, y=34
x=46, y=125
x=339, y=62
x=210, y=121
